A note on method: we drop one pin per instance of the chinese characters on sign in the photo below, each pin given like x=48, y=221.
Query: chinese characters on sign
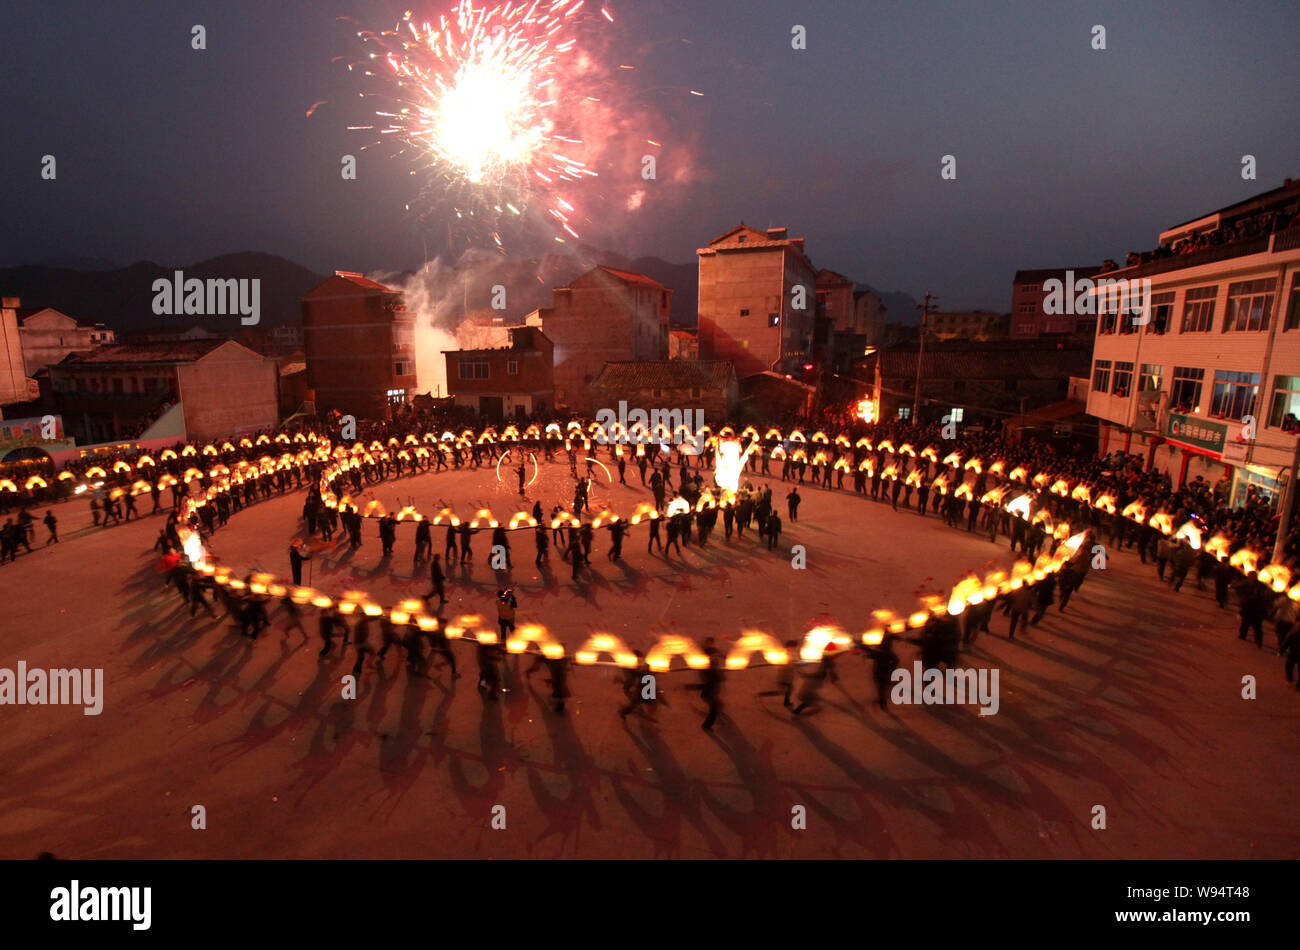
x=1197, y=432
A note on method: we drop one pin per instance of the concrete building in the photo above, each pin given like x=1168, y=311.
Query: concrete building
x=757, y=300
x=359, y=343
x=288, y=338
x=1029, y=317
x=13, y=375
x=48, y=336
x=982, y=325
x=869, y=314
x=706, y=385
x=1209, y=385
x=603, y=316
x=683, y=345
x=203, y=389
x=987, y=381
x=509, y=382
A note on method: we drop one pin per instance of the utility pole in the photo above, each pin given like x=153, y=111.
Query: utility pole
x=1287, y=507
x=920, y=355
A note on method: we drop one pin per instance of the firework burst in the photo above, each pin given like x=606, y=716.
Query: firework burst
x=488, y=98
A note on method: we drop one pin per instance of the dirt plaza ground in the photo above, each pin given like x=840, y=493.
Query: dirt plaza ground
x=1131, y=699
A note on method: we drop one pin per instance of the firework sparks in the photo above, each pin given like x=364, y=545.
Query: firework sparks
x=482, y=94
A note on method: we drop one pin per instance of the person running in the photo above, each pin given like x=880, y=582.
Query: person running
x=711, y=684
x=506, y=605
x=439, y=581
x=634, y=687
x=543, y=544
x=52, y=525
x=813, y=682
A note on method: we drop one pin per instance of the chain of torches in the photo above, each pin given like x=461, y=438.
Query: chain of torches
x=1015, y=496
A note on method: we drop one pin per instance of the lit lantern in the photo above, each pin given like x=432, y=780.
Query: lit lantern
x=1276, y=576
x=608, y=644
x=822, y=639
x=1190, y=533
x=754, y=641
x=661, y=654
x=534, y=633
x=1245, y=561
x=462, y=625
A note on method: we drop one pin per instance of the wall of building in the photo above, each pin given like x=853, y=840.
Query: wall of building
x=358, y=348
x=13, y=376
x=531, y=386
x=231, y=391
x=716, y=402
x=756, y=280
x=49, y=336
x=1271, y=353
x=601, y=319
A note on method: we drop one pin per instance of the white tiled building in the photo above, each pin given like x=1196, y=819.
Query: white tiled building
x=1220, y=348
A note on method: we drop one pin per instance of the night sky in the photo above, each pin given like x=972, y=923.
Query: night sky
x=1065, y=155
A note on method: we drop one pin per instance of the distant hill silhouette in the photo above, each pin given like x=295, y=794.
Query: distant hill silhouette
x=122, y=298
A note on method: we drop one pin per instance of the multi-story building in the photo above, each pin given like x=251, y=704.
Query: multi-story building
x=603, y=316
x=757, y=300
x=360, y=346
x=983, y=325
x=987, y=381
x=1029, y=313
x=683, y=345
x=48, y=336
x=707, y=386
x=13, y=376
x=1206, y=381
x=869, y=314
x=203, y=389
x=505, y=382
x=287, y=338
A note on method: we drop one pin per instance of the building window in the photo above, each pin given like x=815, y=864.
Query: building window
x=1101, y=376
x=1161, y=311
x=1122, y=383
x=512, y=367
x=1185, y=393
x=1107, y=322
x=396, y=397
x=1293, y=307
x=1285, y=413
x=744, y=312
x=773, y=319
x=1234, y=394
x=1151, y=376
x=904, y=412
x=473, y=367
x=695, y=392
x=1250, y=303
x=1028, y=308
x=1198, y=309
x=399, y=368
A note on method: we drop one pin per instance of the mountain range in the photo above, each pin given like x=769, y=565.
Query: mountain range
x=122, y=297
